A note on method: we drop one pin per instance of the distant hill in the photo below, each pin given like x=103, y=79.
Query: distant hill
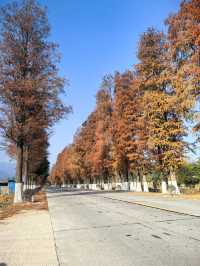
x=7, y=170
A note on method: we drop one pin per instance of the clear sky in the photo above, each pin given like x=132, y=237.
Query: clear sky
x=96, y=37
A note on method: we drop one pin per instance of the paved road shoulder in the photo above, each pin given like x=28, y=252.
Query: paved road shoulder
x=162, y=202
x=27, y=239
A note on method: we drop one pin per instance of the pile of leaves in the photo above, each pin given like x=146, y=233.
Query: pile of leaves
x=39, y=203
x=5, y=200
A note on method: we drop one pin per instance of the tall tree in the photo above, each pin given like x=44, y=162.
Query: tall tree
x=184, y=44
x=84, y=142
x=120, y=160
x=29, y=81
x=101, y=155
x=165, y=125
x=130, y=128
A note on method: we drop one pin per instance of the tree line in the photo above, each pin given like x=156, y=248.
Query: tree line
x=142, y=116
x=29, y=88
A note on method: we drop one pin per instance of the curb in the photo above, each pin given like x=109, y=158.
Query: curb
x=154, y=207
x=53, y=233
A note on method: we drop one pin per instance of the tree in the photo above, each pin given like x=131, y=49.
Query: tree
x=74, y=163
x=165, y=126
x=139, y=128
x=90, y=156
x=120, y=163
x=35, y=160
x=184, y=44
x=29, y=81
x=130, y=134
x=84, y=142
x=101, y=154
x=189, y=173
x=35, y=156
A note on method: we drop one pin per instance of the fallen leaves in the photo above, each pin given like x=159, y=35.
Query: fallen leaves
x=39, y=203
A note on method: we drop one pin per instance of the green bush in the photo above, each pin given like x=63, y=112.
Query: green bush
x=189, y=174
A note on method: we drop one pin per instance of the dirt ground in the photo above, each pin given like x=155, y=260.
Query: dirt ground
x=39, y=203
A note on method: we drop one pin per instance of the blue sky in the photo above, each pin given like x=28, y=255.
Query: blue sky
x=96, y=37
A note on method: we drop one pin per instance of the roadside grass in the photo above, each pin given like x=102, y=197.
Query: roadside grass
x=39, y=203
x=194, y=196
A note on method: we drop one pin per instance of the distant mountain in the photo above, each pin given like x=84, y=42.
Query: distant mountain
x=7, y=170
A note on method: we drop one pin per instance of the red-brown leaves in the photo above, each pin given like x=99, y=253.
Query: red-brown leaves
x=141, y=126
x=29, y=80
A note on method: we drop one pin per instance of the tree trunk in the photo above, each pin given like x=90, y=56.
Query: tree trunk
x=138, y=183
x=164, y=185
x=94, y=185
x=133, y=184
x=19, y=172
x=145, y=184
x=174, y=182
x=26, y=167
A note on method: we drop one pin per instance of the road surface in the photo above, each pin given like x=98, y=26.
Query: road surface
x=94, y=229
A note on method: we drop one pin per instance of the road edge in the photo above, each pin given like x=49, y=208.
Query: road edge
x=153, y=207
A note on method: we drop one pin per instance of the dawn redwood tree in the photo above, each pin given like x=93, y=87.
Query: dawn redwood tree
x=184, y=45
x=137, y=134
x=72, y=169
x=129, y=141
x=148, y=109
x=101, y=155
x=165, y=125
x=65, y=168
x=90, y=157
x=57, y=174
x=35, y=163
x=166, y=133
x=74, y=162
x=29, y=81
x=84, y=143
x=35, y=156
x=119, y=131
x=54, y=178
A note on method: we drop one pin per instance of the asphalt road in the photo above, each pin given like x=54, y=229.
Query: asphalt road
x=91, y=229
